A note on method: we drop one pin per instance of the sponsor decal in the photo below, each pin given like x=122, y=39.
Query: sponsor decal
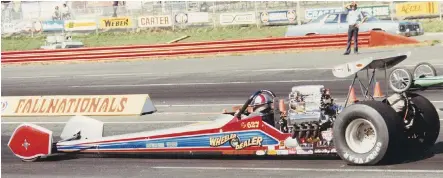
x=260, y=152
x=155, y=21
x=117, y=22
x=250, y=125
x=304, y=152
x=321, y=151
x=272, y=152
x=235, y=142
x=171, y=144
x=306, y=146
x=282, y=152
x=292, y=151
x=155, y=145
x=327, y=135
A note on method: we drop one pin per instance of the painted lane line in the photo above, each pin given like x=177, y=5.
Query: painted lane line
x=107, y=75
x=222, y=104
x=205, y=83
x=33, y=77
x=304, y=169
x=169, y=73
x=128, y=122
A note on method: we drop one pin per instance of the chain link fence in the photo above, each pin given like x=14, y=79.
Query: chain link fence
x=34, y=17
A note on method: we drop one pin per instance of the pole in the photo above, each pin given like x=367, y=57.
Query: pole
x=391, y=8
x=298, y=13
x=441, y=9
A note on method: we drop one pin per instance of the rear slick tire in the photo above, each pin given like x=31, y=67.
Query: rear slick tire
x=426, y=122
x=381, y=124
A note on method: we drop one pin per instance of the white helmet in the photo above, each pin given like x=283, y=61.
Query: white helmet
x=262, y=102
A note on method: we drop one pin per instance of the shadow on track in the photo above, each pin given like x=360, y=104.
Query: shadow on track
x=408, y=156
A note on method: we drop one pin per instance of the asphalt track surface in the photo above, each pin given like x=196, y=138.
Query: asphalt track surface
x=193, y=90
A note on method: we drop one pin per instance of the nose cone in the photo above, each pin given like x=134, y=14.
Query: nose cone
x=30, y=141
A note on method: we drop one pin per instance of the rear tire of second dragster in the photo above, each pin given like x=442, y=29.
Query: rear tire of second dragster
x=427, y=122
x=368, y=133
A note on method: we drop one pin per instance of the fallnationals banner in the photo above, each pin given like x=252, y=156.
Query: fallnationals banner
x=77, y=105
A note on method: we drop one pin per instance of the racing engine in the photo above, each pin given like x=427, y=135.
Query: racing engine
x=311, y=110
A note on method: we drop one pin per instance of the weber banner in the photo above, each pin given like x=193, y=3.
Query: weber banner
x=237, y=18
x=100, y=105
x=155, y=21
x=80, y=25
x=116, y=22
x=272, y=17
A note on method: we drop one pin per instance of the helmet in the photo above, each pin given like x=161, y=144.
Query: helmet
x=262, y=102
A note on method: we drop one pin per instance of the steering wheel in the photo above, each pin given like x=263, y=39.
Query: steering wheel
x=245, y=106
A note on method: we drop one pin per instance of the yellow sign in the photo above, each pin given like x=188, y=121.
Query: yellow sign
x=73, y=25
x=116, y=22
x=417, y=8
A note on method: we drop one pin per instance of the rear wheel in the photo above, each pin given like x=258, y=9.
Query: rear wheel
x=367, y=133
x=426, y=126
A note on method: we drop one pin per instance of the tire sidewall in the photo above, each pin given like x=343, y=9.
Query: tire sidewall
x=368, y=113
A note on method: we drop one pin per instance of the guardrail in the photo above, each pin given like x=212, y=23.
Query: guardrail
x=171, y=50
x=372, y=38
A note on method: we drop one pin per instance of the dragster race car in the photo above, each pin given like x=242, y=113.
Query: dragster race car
x=423, y=77
x=365, y=132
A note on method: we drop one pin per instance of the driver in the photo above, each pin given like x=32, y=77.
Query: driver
x=262, y=106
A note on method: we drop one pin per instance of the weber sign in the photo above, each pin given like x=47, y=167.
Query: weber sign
x=155, y=21
x=77, y=105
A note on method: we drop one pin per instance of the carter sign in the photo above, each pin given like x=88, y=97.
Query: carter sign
x=155, y=21
x=78, y=105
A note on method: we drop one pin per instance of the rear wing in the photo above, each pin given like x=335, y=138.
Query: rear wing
x=351, y=68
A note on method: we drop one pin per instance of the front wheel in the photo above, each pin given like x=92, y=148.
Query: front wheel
x=424, y=69
x=367, y=133
x=400, y=80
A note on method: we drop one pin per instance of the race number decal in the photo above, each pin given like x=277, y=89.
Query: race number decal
x=251, y=125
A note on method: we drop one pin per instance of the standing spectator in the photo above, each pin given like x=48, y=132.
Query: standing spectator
x=56, y=15
x=354, y=16
x=115, y=5
x=66, y=15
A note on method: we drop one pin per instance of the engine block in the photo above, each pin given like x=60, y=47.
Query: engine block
x=305, y=104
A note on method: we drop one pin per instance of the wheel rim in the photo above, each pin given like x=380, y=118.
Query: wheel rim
x=425, y=70
x=361, y=135
x=399, y=79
